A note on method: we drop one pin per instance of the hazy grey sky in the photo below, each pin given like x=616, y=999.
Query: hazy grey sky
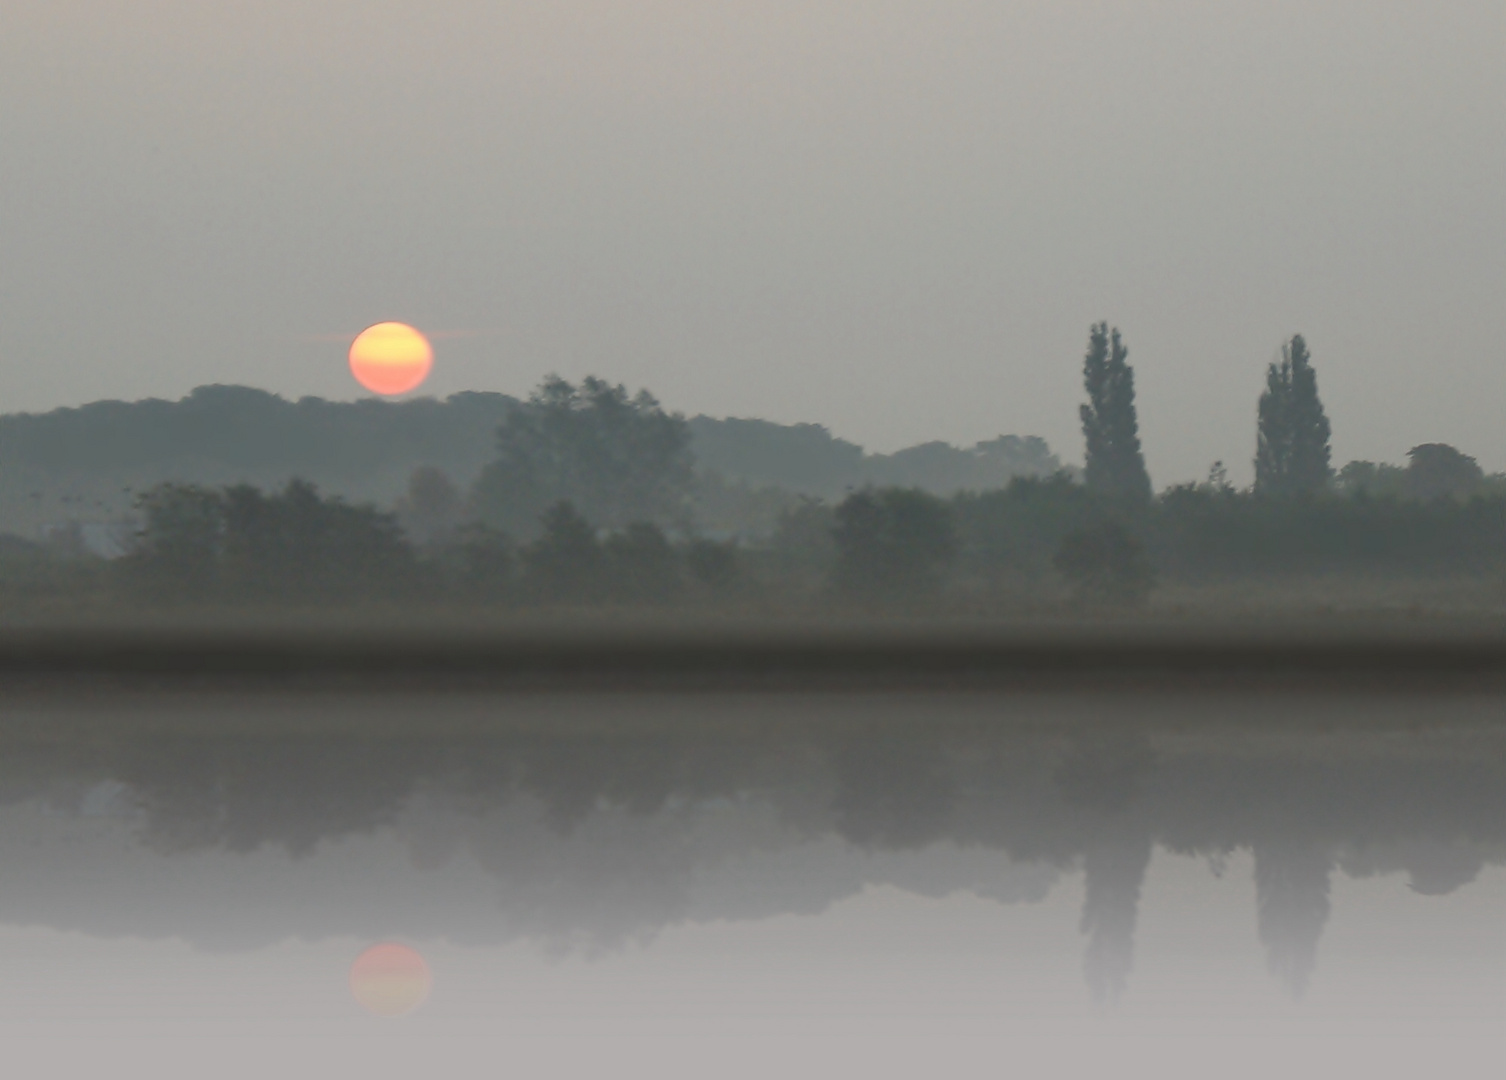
x=896, y=218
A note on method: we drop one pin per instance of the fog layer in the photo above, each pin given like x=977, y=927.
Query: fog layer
x=893, y=218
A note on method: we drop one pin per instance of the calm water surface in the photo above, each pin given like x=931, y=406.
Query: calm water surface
x=695, y=886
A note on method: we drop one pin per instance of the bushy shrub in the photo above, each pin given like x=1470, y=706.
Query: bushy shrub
x=892, y=543
x=642, y=566
x=566, y=564
x=712, y=564
x=240, y=544
x=1105, y=564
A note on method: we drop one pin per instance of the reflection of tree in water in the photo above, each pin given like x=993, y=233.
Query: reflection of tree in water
x=1104, y=776
x=573, y=779
x=241, y=794
x=891, y=792
x=1291, y=893
x=575, y=827
x=1437, y=866
x=1105, y=773
x=1114, y=874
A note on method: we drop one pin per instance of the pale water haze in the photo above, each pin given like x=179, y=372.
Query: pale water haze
x=895, y=218
x=751, y=886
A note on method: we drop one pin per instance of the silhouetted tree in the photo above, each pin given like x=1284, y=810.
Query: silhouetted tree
x=617, y=458
x=227, y=434
x=1115, y=466
x=481, y=561
x=432, y=508
x=642, y=565
x=566, y=564
x=294, y=546
x=805, y=529
x=1366, y=478
x=892, y=543
x=1292, y=451
x=712, y=564
x=1013, y=534
x=1104, y=563
x=1438, y=471
x=240, y=543
x=176, y=556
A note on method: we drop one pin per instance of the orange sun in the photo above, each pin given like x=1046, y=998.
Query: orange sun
x=390, y=979
x=391, y=358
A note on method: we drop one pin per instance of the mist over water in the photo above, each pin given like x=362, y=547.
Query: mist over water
x=959, y=876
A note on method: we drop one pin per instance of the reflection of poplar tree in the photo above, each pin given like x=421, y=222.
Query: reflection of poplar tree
x=1291, y=891
x=1115, y=465
x=1292, y=451
x=1114, y=872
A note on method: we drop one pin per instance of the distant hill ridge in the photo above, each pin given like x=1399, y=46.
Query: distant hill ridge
x=807, y=458
x=86, y=462
x=239, y=426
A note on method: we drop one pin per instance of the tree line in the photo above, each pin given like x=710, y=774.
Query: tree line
x=590, y=499
x=87, y=463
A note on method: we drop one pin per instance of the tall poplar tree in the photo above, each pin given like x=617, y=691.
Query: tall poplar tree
x=1115, y=465
x=1292, y=438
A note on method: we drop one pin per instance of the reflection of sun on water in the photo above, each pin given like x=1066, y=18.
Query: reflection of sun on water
x=391, y=358
x=390, y=979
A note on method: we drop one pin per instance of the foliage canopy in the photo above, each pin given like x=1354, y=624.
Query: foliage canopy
x=1292, y=452
x=1115, y=465
x=616, y=458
